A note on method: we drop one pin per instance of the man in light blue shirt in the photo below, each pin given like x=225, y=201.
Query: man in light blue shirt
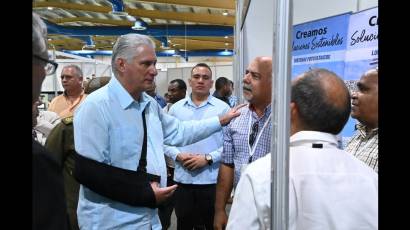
x=196, y=167
x=110, y=132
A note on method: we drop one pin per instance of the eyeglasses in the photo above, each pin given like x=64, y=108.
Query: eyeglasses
x=50, y=67
x=252, y=136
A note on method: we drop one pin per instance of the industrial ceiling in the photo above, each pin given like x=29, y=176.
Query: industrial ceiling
x=178, y=27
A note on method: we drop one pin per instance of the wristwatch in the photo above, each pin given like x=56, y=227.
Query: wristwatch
x=209, y=159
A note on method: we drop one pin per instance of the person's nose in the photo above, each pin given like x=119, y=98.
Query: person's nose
x=153, y=70
x=354, y=94
x=246, y=78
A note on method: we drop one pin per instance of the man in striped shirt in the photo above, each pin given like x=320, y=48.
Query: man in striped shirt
x=364, y=144
x=247, y=137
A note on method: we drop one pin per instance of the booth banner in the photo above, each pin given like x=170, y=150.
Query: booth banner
x=320, y=44
x=361, y=54
x=362, y=48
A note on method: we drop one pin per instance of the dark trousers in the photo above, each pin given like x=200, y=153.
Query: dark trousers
x=166, y=208
x=194, y=206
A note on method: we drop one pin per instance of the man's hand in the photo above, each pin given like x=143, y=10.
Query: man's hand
x=182, y=157
x=195, y=162
x=161, y=194
x=220, y=220
x=232, y=113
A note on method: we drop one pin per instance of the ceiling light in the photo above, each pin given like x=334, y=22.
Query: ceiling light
x=226, y=37
x=50, y=8
x=226, y=43
x=225, y=13
x=138, y=26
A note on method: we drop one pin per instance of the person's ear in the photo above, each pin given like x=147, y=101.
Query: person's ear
x=293, y=111
x=120, y=62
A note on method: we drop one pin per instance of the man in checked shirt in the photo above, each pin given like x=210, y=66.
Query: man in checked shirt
x=248, y=137
x=365, y=142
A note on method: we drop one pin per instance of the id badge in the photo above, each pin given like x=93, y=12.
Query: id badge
x=243, y=167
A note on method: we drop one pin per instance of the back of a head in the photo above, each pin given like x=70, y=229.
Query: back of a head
x=126, y=46
x=95, y=84
x=39, y=35
x=221, y=82
x=39, y=44
x=322, y=99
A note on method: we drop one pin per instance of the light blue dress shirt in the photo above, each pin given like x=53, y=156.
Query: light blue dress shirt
x=108, y=128
x=186, y=110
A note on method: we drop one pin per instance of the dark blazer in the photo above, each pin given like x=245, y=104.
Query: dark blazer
x=48, y=207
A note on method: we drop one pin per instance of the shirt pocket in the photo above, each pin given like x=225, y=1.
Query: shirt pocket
x=126, y=146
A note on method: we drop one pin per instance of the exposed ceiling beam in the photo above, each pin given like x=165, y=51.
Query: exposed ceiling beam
x=94, y=20
x=197, y=44
x=188, y=17
x=156, y=31
x=222, y=4
x=73, y=6
x=66, y=41
x=153, y=14
x=207, y=38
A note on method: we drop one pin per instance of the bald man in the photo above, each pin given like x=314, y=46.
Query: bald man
x=247, y=137
x=365, y=143
x=328, y=187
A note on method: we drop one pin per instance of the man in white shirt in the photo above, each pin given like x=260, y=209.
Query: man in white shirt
x=328, y=187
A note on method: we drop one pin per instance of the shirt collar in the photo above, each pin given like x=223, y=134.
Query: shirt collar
x=81, y=94
x=210, y=100
x=306, y=138
x=266, y=111
x=362, y=130
x=125, y=99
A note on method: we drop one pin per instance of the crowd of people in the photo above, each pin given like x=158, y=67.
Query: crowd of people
x=114, y=154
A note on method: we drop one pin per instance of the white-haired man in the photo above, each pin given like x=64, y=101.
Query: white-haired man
x=121, y=130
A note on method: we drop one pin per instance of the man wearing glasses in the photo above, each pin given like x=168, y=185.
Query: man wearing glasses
x=72, y=81
x=248, y=136
x=48, y=207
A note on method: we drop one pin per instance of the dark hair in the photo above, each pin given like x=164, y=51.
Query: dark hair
x=201, y=65
x=316, y=112
x=221, y=82
x=231, y=83
x=180, y=82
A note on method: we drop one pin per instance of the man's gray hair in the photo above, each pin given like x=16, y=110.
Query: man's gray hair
x=126, y=47
x=39, y=37
x=77, y=69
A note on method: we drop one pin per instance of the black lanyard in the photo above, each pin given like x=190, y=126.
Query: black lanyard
x=142, y=165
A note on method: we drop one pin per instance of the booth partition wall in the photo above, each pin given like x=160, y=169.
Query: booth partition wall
x=348, y=46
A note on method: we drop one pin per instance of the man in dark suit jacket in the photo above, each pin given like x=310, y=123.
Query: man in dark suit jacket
x=48, y=205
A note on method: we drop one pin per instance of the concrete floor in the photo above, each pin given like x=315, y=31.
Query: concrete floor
x=174, y=218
